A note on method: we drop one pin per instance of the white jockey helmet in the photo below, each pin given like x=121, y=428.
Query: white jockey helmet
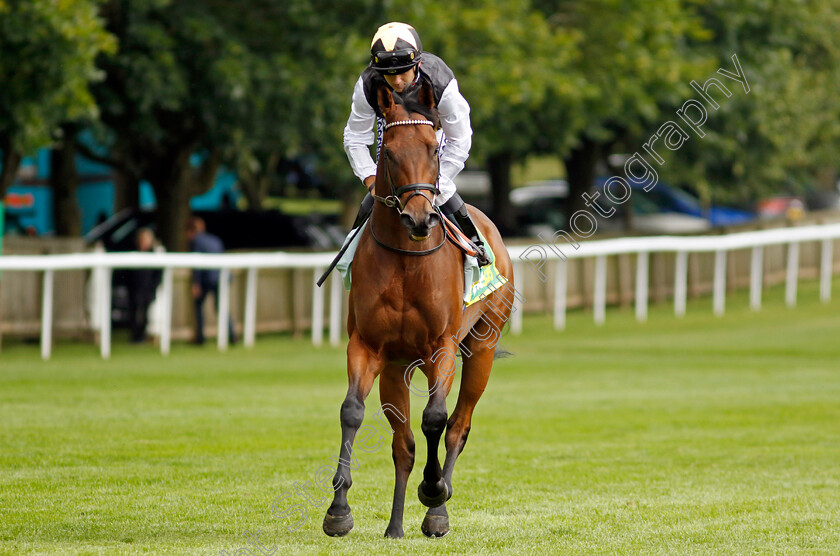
x=395, y=48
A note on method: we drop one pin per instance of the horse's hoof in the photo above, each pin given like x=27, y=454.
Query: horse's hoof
x=435, y=526
x=434, y=501
x=394, y=532
x=338, y=525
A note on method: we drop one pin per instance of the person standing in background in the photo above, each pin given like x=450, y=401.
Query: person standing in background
x=204, y=281
x=142, y=286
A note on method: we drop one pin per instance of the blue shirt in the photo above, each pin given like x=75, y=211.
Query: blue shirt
x=206, y=243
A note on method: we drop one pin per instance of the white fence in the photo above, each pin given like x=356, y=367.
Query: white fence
x=526, y=267
x=682, y=246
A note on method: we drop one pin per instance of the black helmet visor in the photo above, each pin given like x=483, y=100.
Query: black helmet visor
x=396, y=61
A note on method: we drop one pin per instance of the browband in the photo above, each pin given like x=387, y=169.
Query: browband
x=409, y=122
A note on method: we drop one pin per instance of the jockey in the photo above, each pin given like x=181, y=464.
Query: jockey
x=397, y=58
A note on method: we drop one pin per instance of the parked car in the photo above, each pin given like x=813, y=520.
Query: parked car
x=781, y=206
x=675, y=200
x=542, y=207
x=822, y=199
x=794, y=206
x=650, y=218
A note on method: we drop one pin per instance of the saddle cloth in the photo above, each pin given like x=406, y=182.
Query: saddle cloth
x=478, y=281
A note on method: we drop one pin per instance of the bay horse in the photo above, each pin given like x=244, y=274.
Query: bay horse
x=406, y=305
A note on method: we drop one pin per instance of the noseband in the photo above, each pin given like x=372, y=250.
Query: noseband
x=393, y=200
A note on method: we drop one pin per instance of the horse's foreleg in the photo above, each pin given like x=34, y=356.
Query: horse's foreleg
x=396, y=406
x=362, y=368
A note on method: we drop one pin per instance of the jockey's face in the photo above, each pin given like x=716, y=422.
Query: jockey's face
x=400, y=81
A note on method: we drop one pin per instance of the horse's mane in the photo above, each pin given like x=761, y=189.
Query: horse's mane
x=411, y=102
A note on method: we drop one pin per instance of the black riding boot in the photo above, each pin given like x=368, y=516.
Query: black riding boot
x=455, y=207
x=364, y=211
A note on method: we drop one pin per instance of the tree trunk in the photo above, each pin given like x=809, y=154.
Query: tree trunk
x=629, y=215
x=173, y=210
x=498, y=166
x=11, y=163
x=580, y=170
x=173, y=184
x=126, y=173
x=126, y=191
x=826, y=178
x=64, y=181
x=204, y=177
x=255, y=184
x=626, y=209
x=250, y=185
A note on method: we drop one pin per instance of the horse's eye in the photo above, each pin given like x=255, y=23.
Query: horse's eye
x=436, y=151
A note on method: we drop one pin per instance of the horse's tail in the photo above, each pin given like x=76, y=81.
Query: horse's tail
x=501, y=353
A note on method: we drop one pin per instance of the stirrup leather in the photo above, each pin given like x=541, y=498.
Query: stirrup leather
x=462, y=218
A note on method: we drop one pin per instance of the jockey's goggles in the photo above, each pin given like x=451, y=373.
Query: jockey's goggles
x=394, y=62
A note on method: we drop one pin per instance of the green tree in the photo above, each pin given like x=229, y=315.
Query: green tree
x=47, y=53
x=506, y=58
x=321, y=105
x=786, y=131
x=174, y=92
x=633, y=60
x=571, y=77
x=209, y=81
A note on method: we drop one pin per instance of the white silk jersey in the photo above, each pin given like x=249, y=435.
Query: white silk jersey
x=455, y=135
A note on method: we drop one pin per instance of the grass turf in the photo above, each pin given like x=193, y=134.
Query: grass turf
x=699, y=435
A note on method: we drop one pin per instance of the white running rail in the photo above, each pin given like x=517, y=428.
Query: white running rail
x=526, y=267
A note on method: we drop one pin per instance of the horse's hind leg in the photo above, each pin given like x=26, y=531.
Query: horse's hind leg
x=475, y=376
x=436, y=522
x=476, y=372
x=362, y=368
x=395, y=405
x=477, y=368
x=478, y=350
x=434, y=491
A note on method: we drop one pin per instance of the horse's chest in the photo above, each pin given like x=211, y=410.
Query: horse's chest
x=400, y=312
x=396, y=316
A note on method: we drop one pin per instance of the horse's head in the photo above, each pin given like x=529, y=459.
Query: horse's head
x=409, y=164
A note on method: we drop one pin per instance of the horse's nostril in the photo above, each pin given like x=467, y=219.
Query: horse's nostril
x=432, y=219
x=407, y=221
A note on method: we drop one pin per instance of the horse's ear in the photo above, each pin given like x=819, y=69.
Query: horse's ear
x=426, y=96
x=385, y=99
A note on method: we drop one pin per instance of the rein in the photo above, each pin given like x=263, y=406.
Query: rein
x=393, y=200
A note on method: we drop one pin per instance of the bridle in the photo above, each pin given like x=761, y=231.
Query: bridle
x=393, y=200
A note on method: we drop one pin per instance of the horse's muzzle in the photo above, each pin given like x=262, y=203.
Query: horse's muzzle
x=419, y=231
